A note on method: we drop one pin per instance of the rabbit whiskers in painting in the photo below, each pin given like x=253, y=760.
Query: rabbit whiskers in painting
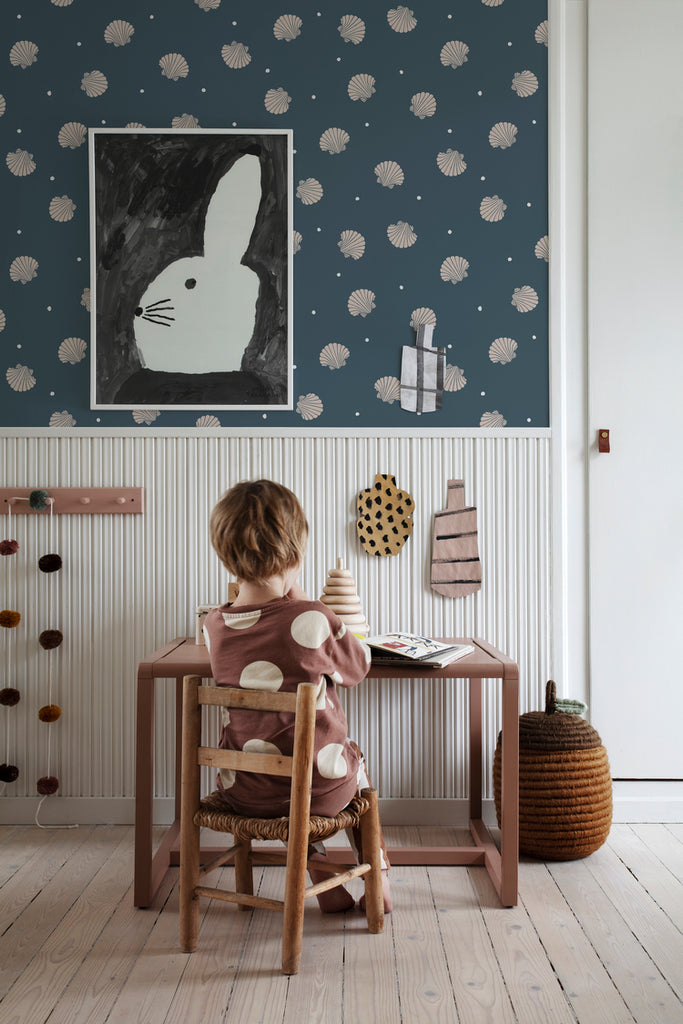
x=198, y=314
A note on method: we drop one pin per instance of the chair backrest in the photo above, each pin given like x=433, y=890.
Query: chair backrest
x=299, y=767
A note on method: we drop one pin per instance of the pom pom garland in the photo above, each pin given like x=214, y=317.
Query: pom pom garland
x=8, y=773
x=9, y=696
x=49, y=713
x=50, y=638
x=38, y=500
x=47, y=785
x=50, y=563
x=9, y=619
x=9, y=547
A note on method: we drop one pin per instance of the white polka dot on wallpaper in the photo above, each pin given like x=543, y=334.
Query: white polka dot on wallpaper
x=418, y=196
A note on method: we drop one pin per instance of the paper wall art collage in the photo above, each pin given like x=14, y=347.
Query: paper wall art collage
x=384, y=516
x=456, y=568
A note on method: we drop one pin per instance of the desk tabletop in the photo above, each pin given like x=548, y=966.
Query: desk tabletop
x=183, y=656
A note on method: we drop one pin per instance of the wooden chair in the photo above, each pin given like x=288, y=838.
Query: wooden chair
x=297, y=831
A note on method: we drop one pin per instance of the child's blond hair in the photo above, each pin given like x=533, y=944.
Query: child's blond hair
x=259, y=530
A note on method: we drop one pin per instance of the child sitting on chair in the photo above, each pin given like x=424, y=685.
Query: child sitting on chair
x=273, y=637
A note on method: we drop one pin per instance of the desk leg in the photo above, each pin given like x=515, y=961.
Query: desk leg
x=509, y=787
x=475, y=749
x=144, y=782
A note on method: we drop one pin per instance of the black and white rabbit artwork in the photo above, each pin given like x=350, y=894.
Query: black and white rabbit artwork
x=198, y=314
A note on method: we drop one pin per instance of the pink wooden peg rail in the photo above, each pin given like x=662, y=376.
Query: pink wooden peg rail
x=76, y=500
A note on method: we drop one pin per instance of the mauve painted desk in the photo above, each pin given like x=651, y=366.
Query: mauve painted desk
x=183, y=657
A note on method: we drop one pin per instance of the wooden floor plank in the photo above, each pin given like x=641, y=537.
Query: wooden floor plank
x=424, y=984
x=642, y=987
x=649, y=923
x=533, y=987
x=663, y=886
x=586, y=983
x=663, y=844
x=32, y=928
x=316, y=992
x=478, y=987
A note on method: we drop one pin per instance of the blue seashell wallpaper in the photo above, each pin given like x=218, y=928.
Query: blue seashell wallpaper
x=420, y=194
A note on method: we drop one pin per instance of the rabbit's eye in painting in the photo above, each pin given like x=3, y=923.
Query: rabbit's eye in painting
x=191, y=282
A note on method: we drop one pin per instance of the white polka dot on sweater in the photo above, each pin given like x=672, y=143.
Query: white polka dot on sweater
x=227, y=777
x=261, y=675
x=322, y=691
x=310, y=629
x=342, y=631
x=237, y=620
x=331, y=762
x=336, y=677
x=257, y=746
x=225, y=717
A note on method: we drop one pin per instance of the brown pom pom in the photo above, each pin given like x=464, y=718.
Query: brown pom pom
x=8, y=547
x=8, y=773
x=48, y=785
x=9, y=696
x=49, y=713
x=50, y=638
x=9, y=619
x=50, y=563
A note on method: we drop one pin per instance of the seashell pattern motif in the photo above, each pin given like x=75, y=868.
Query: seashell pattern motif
x=309, y=191
x=309, y=406
x=135, y=124
x=23, y=269
x=208, y=421
x=334, y=355
x=23, y=54
x=388, y=389
x=208, y=5
x=454, y=54
x=20, y=378
x=361, y=302
x=524, y=83
x=62, y=419
x=454, y=269
x=454, y=379
x=287, y=27
x=236, y=55
x=503, y=350
x=401, y=19
x=492, y=419
x=492, y=3
x=62, y=3
x=422, y=315
x=352, y=29
x=72, y=350
x=351, y=244
x=334, y=140
x=524, y=299
x=3, y=104
x=185, y=121
x=94, y=83
x=503, y=135
x=20, y=163
x=451, y=163
x=72, y=135
x=401, y=235
x=85, y=299
x=297, y=239
x=541, y=35
x=277, y=101
x=361, y=87
x=62, y=208
x=423, y=104
x=492, y=208
x=118, y=33
x=145, y=416
x=542, y=249
x=3, y=320
x=389, y=174
x=174, y=66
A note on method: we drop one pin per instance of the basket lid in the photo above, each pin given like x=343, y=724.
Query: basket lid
x=554, y=730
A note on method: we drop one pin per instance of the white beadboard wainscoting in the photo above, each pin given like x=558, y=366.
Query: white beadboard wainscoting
x=129, y=583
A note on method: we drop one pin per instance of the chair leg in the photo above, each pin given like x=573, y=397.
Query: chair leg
x=244, y=879
x=370, y=836
x=189, y=878
x=293, y=914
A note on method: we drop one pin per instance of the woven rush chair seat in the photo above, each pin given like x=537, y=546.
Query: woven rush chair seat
x=213, y=814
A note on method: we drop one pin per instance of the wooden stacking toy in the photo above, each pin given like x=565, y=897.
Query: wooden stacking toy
x=340, y=594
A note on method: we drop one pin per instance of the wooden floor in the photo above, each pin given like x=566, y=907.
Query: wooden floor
x=597, y=941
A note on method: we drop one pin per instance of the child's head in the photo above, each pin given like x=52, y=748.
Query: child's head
x=259, y=530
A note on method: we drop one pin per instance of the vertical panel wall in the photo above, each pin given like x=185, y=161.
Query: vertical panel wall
x=129, y=583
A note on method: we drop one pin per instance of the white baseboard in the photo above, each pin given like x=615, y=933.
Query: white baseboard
x=633, y=802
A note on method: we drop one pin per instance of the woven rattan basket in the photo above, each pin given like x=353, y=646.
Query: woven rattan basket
x=565, y=787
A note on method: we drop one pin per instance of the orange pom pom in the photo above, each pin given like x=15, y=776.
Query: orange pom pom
x=49, y=713
x=9, y=619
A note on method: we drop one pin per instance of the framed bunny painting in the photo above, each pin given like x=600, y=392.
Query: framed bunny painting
x=191, y=268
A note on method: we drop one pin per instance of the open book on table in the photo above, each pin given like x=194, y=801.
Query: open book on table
x=404, y=648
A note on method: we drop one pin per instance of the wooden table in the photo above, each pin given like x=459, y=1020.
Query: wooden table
x=183, y=657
